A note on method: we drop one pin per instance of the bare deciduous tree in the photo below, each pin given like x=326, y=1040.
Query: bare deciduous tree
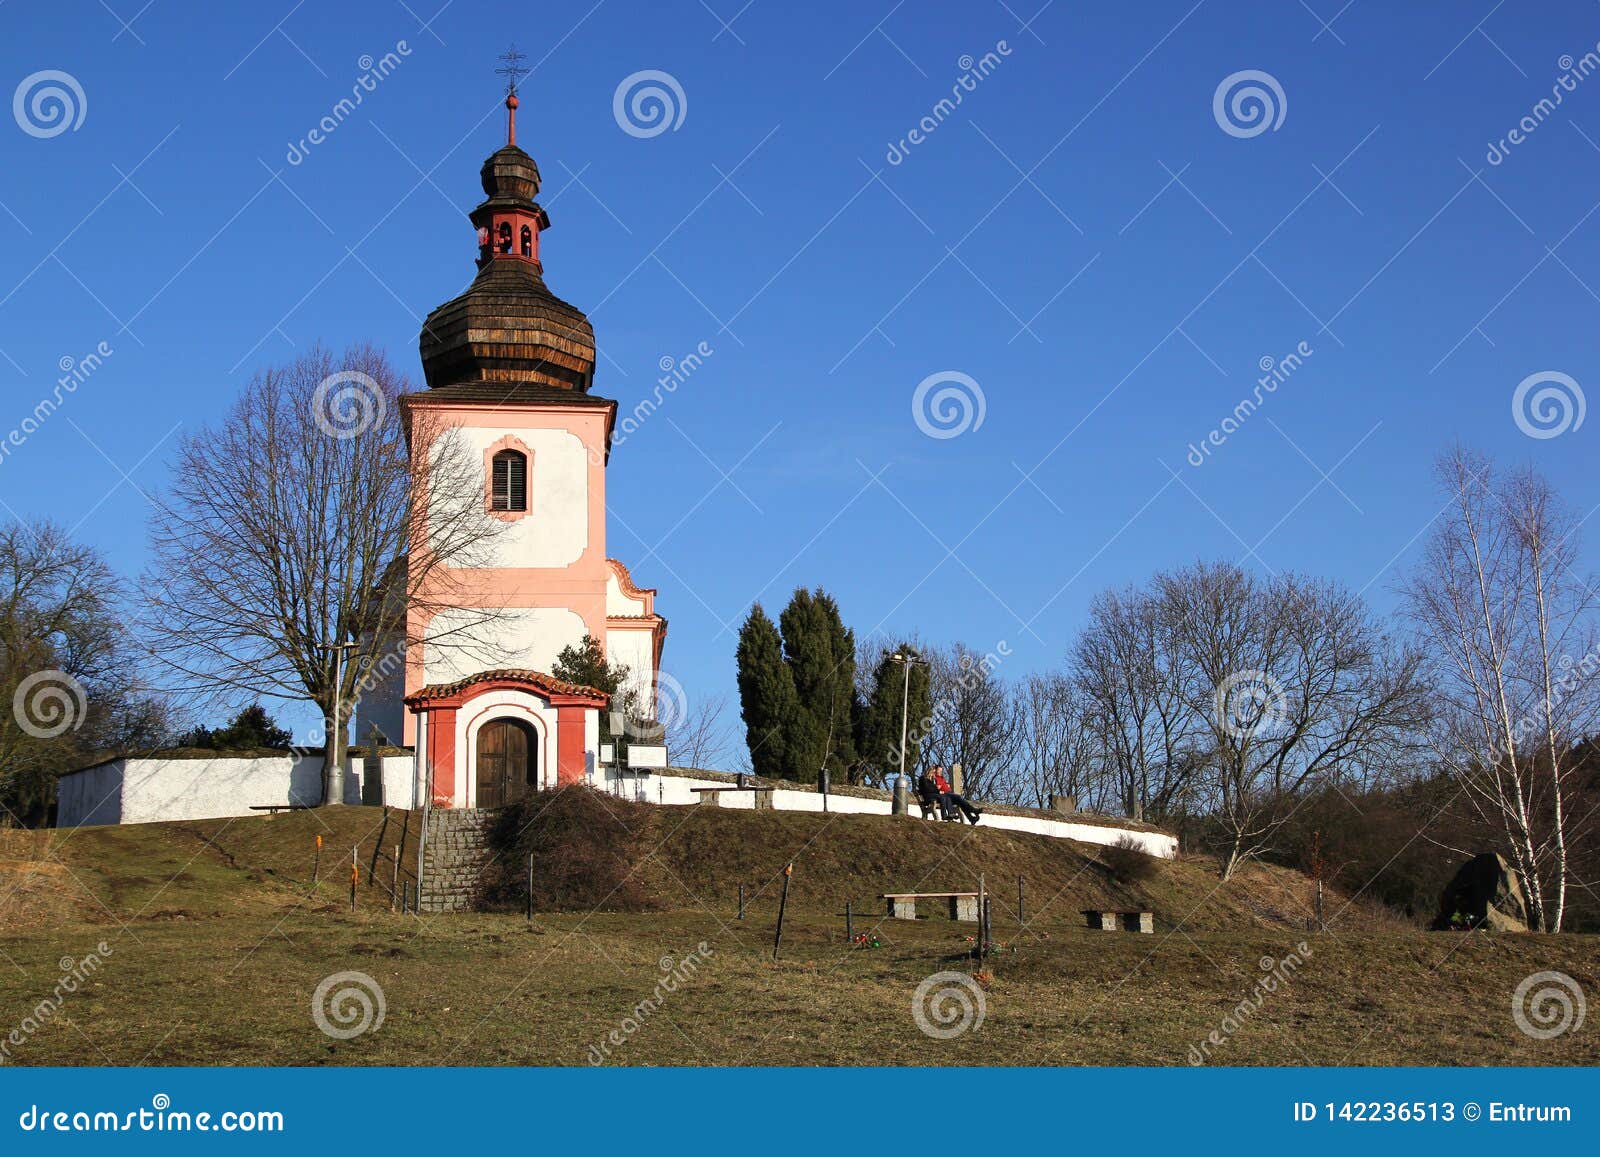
x=701, y=738
x=1058, y=749
x=1297, y=688
x=970, y=722
x=301, y=521
x=1125, y=664
x=1220, y=694
x=69, y=683
x=1509, y=625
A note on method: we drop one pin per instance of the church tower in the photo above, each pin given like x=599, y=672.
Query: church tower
x=509, y=368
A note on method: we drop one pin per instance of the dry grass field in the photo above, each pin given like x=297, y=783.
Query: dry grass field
x=218, y=940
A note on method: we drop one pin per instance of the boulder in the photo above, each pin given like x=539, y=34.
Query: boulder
x=1485, y=892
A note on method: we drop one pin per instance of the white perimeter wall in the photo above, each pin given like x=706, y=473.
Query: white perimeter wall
x=134, y=791
x=672, y=789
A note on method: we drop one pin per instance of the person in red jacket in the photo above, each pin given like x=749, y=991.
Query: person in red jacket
x=950, y=799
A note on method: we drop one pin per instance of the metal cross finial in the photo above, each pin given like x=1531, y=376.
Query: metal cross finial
x=512, y=68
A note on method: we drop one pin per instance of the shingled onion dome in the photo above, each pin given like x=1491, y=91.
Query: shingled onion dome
x=508, y=327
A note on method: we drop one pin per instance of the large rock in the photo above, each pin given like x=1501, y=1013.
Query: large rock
x=1484, y=893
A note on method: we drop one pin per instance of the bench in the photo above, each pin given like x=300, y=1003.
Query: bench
x=931, y=811
x=963, y=905
x=712, y=796
x=275, y=808
x=1120, y=920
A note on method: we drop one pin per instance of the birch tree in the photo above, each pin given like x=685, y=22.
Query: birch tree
x=1509, y=624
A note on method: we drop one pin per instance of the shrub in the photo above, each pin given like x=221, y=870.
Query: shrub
x=1127, y=860
x=585, y=847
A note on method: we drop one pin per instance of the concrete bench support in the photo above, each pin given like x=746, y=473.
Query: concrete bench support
x=963, y=905
x=1120, y=921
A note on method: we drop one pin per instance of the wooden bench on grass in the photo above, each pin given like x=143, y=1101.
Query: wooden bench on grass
x=712, y=796
x=963, y=905
x=275, y=808
x=1120, y=920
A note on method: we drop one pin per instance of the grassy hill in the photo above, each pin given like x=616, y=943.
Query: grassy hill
x=218, y=939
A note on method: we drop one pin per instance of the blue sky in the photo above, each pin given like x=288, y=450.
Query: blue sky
x=1081, y=238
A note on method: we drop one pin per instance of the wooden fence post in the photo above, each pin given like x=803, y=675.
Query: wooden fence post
x=777, y=941
x=983, y=898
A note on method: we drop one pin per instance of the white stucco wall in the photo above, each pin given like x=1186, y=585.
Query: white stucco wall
x=147, y=790
x=636, y=650
x=674, y=789
x=618, y=603
x=522, y=637
x=555, y=532
x=134, y=791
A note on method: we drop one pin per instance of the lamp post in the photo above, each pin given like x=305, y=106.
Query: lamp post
x=333, y=774
x=907, y=660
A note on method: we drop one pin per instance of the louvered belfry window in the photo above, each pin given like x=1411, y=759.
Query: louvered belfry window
x=509, y=484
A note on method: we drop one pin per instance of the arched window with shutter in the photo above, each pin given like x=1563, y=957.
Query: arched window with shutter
x=508, y=484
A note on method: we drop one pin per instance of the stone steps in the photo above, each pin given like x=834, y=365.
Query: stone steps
x=457, y=852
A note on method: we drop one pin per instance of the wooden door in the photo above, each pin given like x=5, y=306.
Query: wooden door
x=505, y=766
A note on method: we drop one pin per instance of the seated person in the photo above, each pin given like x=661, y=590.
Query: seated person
x=949, y=800
x=928, y=796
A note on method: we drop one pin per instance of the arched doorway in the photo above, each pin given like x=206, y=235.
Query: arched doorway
x=508, y=762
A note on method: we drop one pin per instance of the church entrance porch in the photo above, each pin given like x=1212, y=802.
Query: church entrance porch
x=490, y=739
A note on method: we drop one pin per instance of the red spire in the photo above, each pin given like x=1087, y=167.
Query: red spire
x=511, y=117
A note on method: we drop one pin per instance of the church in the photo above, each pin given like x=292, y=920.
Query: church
x=509, y=368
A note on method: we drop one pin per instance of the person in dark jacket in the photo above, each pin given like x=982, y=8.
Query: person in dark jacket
x=928, y=797
x=950, y=800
